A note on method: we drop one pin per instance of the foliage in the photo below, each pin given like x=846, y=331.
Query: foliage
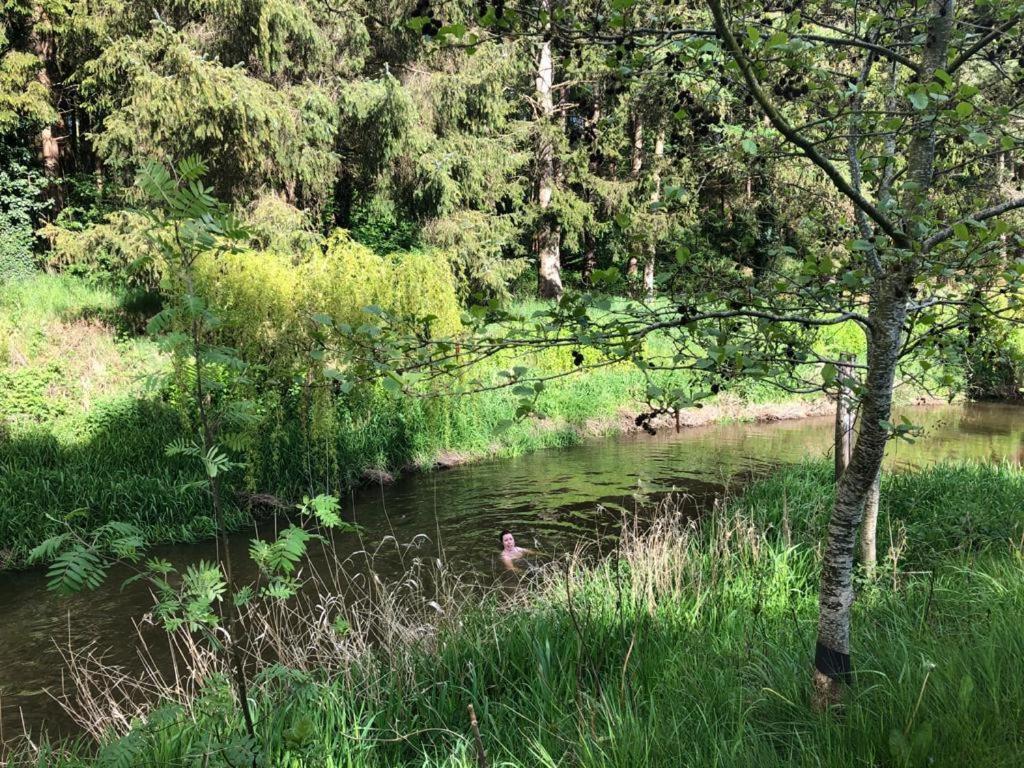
x=268, y=303
x=24, y=101
x=114, y=250
x=176, y=102
x=21, y=187
x=275, y=225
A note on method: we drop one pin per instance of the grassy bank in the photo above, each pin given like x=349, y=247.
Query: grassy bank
x=83, y=440
x=691, y=646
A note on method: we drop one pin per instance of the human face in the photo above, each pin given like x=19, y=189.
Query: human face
x=508, y=542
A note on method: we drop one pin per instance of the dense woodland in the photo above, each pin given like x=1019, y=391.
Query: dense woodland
x=363, y=234
x=603, y=146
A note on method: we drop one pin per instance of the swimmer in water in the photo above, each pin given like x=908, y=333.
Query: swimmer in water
x=509, y=551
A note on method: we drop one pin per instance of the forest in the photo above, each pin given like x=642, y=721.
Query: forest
x=300, y=299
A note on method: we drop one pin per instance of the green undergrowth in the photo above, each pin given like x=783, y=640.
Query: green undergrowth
x=691, y=646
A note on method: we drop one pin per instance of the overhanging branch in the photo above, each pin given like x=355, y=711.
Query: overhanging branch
x=782, y=126
x=986, y=213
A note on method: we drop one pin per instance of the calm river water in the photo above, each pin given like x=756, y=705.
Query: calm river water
x=551, y=499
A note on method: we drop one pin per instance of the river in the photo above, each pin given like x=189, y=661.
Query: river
x=550, y=499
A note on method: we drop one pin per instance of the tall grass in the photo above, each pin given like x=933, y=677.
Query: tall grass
x=688, y=645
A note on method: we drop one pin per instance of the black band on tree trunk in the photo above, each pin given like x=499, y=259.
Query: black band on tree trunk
x=832, y=664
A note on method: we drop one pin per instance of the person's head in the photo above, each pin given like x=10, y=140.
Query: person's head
x=508, y=541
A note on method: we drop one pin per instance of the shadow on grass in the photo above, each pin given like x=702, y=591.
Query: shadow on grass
x=113, y=467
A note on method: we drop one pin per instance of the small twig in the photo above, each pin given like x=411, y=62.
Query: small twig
x=481, y=756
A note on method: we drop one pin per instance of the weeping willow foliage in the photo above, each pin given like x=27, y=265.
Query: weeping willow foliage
x=266, y=301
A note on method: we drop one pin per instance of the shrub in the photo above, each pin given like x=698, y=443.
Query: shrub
x=20, y=202
x=266, y=302
x=114, y=251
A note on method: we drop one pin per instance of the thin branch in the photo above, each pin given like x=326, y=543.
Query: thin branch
x=986, y=213
x=993, y=34
x=783, y=127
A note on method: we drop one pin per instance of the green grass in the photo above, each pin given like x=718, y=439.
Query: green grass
x=691, y=647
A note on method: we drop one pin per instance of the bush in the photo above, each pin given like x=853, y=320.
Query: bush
x=21, y=200
x=115, y=251
x=266, y=302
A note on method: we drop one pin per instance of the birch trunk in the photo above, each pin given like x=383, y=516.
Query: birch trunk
x=547, y=238
x=659, y=153
x=887, y=312
x=869, y=528
x=844, y=417
x=636, y=164
x=594, y=167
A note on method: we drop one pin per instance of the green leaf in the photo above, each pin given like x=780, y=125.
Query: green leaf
x=964, y=110
x=918, y=97
x=75, y=570
x=48, y=549
x=454, y=30
x=324, y=508
x=749, y=146
x=829, y=373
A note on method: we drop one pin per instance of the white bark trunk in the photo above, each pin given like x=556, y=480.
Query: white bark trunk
x=844, y=417
x=869, y=528
x=887, y=313
x=547, y=238
x=659, y=153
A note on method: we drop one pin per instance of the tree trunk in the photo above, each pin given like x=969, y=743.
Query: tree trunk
x=869, y=528
x=636, y=158
x=844, y=416
x=50, y=136
x=547, y=238
x=887, y=311
x=593, y=167
x=649, y=274
x=636, y=164
x=659, y=153
x=589, y=256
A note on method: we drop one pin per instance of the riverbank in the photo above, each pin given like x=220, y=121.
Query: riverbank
x=84, y=441
x=688, y=646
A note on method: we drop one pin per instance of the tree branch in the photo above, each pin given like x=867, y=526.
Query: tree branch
x=783, y=127
x=986, y=213
x=997, y=32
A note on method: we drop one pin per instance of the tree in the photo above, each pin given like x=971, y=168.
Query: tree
x=916, y=243
x=546, y=238
x=188, y=223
